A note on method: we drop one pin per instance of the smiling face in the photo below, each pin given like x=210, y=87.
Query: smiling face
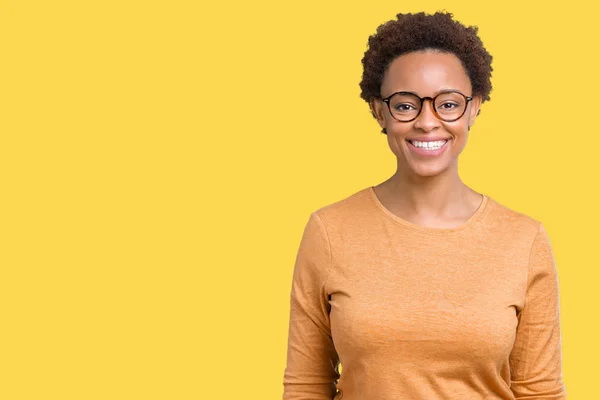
x=426, y=73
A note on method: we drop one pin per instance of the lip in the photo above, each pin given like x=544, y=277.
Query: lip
x=429, y=139
x=428, y=153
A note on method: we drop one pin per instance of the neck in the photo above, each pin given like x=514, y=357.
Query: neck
x=440, y=195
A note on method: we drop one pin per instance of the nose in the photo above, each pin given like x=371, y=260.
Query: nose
x=427, y=120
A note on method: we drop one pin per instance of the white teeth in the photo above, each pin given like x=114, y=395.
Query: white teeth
x=429, y=145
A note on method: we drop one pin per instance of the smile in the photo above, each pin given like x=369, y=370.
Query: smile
x=428, y=148
x=428, y=145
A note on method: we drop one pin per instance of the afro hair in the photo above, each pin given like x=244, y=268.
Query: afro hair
x=420, y=31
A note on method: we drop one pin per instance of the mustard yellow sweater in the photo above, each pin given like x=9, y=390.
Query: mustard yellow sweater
x=421, y=313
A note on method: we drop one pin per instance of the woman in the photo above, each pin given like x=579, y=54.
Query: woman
x=421, y=287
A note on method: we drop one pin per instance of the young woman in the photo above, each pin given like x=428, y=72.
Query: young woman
x=421, y=287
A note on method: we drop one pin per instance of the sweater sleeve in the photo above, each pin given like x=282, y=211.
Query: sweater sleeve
x=535, y=360
x=312, y=361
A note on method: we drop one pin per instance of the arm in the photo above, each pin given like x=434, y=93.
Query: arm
x=312, y=361
x=535, y=360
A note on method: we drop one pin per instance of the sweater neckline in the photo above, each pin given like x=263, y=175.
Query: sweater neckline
x=481, y=210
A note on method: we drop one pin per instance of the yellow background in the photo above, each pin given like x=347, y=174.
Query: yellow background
x=159, y=160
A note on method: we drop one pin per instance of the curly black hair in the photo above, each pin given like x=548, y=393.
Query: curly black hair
x=421, y=31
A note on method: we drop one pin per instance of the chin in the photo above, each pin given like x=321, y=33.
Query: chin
x=429, y=170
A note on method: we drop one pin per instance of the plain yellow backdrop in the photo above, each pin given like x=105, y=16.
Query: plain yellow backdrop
x=159, y=160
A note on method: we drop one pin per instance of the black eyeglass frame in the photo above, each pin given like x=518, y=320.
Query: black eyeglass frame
x=432, y=99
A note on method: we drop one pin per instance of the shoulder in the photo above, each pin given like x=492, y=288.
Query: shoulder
x=344, y=210
x=509, y=221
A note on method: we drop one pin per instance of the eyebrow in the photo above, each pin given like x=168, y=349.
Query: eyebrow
x=435, y=94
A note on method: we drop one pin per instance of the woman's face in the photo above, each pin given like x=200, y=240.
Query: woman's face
x=426, y=73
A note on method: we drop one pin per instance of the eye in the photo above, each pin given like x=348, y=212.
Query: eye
x=448, y=106
x=403, y=107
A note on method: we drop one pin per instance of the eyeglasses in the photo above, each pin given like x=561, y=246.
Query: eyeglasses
x=448, y=106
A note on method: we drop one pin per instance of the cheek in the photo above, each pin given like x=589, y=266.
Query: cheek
x=460, y=140
x=396, y=137
x=459, y=131
x=396, y=143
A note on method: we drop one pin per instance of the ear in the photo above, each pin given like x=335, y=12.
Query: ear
x=474, y=111
x=377, y=108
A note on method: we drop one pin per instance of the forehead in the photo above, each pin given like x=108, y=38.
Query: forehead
x=425, y=73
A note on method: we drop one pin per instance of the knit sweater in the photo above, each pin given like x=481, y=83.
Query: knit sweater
x=421, y=313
